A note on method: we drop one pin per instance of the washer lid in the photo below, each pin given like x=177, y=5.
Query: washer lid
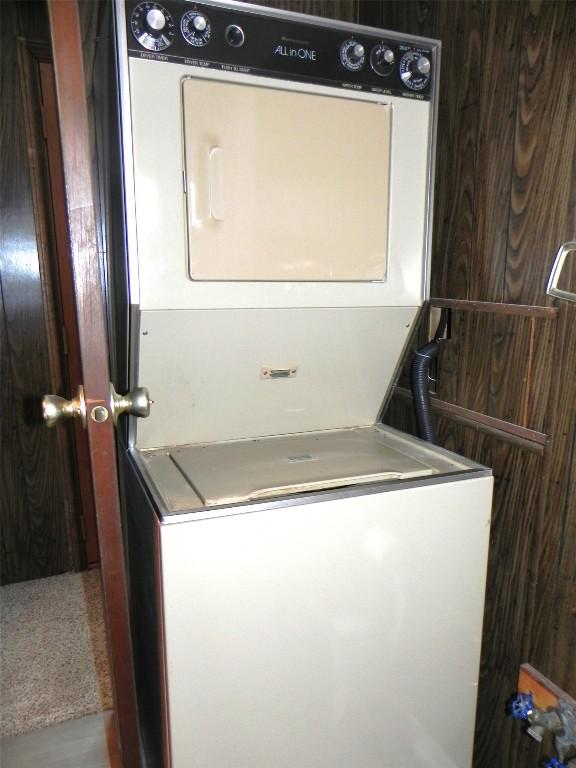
x=244, y=470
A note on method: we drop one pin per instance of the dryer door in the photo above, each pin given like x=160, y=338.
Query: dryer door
x=283, y=185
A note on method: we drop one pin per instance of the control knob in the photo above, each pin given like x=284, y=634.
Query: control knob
x=155, y=21
x=415, y=70
x=196, y=28
x=352, y=55
x=423, y=65
x=382, y=59
x=153, y=26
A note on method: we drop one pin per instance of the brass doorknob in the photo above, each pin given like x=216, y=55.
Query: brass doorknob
x=137, y=403
x=56, y=409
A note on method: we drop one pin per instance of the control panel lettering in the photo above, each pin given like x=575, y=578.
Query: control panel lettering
x=234, y=40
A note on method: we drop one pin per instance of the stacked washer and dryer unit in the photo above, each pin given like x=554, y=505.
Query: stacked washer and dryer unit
x=307, y=584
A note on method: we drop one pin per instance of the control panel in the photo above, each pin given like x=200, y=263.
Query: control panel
x=237, y=40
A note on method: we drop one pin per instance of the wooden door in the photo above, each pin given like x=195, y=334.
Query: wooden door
x=40, y=526
x=92, y=338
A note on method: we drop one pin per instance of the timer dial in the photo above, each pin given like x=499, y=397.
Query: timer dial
x=153, y=26
x=415, y=70
x=196, y=28
x=352, y=55
x=382, y=59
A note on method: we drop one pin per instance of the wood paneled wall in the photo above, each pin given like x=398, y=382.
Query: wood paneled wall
x=39, y=527
x=505, y=201
x=345, y=10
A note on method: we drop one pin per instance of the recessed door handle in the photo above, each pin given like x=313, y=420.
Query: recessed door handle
x=552, y=287
x=216, y=183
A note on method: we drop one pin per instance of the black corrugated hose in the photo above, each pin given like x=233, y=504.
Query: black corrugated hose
x=420, y=378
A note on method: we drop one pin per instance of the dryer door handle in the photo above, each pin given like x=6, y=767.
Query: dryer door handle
x=216, y=183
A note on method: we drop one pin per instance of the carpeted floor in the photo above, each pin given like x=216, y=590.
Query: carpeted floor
x=53, y=656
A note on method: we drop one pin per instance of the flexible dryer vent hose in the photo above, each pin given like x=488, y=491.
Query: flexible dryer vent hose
x=420, y=382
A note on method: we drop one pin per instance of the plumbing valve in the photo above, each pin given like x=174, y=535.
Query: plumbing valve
x=539, y=721
x=521, y=706
x=560, y=721
x=554, y=763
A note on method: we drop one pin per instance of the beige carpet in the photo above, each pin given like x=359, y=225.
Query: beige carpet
x=53, y=656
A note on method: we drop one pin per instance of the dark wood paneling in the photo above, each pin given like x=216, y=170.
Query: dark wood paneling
x=38, y=526
x=473, y=381
x=497, y=112
x=457, y=155
x=345, y=10
x=62, y=290
x=545, y=140
x=552, y=646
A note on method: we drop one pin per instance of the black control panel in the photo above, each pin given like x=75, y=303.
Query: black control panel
x=204, y=35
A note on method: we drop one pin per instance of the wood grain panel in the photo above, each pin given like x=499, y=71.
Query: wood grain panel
x=544, y=189
x=552, y=649
x=520, y=363
x=35, y=518
x=449, y=360
x=414, y=18
x=562, y=647
x=497, y=114
x=71, y=378
x=345, y=10
x=474, y=361
x=463, y=368
x=457, y=148
x=545, y=141
x=562, y=642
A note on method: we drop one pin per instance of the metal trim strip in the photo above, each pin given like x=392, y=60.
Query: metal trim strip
x=127, y=159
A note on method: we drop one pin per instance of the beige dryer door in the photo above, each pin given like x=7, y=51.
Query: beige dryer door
x=284, y=185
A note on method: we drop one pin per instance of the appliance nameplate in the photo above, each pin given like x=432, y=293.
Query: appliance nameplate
x=283, y=48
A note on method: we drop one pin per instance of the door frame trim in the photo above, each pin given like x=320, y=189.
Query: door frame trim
x=71, y=94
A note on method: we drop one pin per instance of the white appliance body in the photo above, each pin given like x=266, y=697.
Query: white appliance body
x=307, y=584
x=338, y=633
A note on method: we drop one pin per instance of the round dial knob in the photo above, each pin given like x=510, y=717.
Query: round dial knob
x=423, y=65
x=153, y=26
x=382, y=59
x=352, y=55
x=196, y=28
x=155, y=21
x=415, y=70
x=199, y=23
